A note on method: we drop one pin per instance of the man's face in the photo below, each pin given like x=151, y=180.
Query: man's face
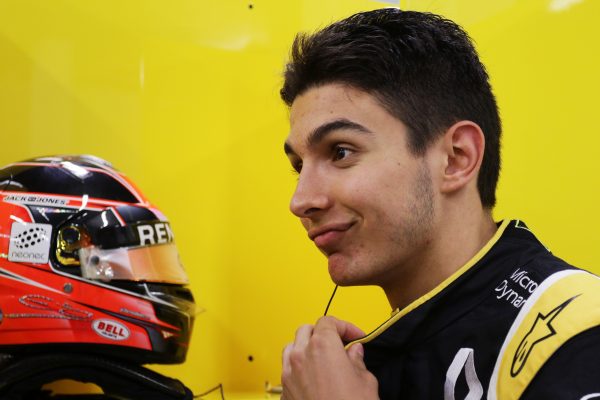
x=364, y=199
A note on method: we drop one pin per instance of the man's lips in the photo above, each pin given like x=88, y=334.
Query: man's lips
x=326, y=235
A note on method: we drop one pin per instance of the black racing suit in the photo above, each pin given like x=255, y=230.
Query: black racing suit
x=514, y=322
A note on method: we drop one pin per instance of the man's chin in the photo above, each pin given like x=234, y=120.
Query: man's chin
x=340, y=270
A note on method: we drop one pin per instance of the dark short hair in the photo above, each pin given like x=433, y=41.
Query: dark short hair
x=421, y=67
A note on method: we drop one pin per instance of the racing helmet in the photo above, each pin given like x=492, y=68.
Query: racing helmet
x=88, y=265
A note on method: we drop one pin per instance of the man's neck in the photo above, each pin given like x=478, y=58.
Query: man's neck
x=457, y=240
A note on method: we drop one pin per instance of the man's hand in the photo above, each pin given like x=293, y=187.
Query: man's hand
x=317, y=367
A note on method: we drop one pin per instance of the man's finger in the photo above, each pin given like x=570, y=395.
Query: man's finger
x=345, y=330
x=303, y=335
x=356, y=353
x=286, y=368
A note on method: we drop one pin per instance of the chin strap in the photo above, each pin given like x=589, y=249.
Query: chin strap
x=23, y=378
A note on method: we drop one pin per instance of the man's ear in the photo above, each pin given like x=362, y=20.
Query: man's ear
x=463, y=145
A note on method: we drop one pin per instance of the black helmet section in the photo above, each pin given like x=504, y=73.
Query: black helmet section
x=22, y=379
x=69, y=180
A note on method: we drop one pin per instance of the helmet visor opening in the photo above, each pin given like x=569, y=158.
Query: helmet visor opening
x=156, y=263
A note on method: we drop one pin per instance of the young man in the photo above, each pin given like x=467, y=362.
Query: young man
x=395, y=137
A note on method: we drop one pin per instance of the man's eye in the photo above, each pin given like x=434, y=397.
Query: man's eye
x=297, y=166
x=339, y=153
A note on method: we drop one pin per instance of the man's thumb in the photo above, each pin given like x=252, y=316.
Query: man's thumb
x=356, y=353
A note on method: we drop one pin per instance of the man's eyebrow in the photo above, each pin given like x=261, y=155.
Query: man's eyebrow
x=339, y=124
x=322, y=131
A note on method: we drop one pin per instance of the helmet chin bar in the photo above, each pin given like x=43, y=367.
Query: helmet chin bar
x=23, y=378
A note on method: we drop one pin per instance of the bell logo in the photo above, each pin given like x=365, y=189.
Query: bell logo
x=110, y=329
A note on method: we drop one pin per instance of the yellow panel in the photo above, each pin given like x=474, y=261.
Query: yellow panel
x=183, y=97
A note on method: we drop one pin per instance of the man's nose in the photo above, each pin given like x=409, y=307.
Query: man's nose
x=311, y=194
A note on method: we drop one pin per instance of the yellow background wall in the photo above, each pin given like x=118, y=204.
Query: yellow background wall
x=183, y=97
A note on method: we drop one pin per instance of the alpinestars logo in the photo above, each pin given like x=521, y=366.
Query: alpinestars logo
x=29, y=242
x=541, y=330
